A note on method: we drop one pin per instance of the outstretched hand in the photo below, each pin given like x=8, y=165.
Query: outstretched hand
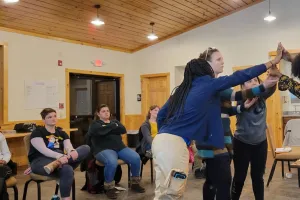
x=250, y=102
x=274, y=72
x=271, y=80
x=279, y=54
x=285, y=54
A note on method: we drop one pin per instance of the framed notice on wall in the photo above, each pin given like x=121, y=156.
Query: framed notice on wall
x=41, y=94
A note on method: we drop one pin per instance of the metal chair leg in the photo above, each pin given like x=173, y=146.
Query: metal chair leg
x=26, y=188
x=141, y=174
x=272, y=172
x=56, y=189
x=39, y=192
x=151, y=165
x=73, y=190
x=129, y=175
x=282, y=169
x=16, y=192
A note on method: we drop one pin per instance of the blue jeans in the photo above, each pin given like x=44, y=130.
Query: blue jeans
x=110, y=159
x=65, y=174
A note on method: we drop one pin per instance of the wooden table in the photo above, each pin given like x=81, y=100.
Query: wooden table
x=16, y=146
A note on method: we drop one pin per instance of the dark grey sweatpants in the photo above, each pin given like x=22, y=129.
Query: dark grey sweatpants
x=65, y=174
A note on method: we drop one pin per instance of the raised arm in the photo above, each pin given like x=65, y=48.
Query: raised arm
x=239, y=77
x=286, y=83
x=242, y=76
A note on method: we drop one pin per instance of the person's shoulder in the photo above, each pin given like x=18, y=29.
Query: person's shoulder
x=38, y=132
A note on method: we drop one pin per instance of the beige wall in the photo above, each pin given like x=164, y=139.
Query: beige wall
x=32, y=58
x=243, y=38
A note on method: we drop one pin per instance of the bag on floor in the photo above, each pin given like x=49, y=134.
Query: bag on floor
x=94, y=178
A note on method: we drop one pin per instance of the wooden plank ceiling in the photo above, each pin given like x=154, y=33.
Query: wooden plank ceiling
x=126, y=21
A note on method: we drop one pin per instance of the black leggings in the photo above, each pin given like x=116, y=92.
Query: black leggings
x=218, y=178
x=243, y=154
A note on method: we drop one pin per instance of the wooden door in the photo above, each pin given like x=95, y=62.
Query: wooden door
x=106, y=94
x=274, y=111
x=155, y=90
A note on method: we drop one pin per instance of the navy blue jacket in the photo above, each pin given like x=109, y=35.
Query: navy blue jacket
x=201, y=117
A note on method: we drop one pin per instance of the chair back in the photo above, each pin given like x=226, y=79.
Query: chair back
x=27, y=146
x=27, y=143
x=270, y=136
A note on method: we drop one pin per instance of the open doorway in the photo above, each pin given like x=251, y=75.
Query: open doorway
x=87, y=90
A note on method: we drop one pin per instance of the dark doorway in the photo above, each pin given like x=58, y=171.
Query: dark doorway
x=86, y=93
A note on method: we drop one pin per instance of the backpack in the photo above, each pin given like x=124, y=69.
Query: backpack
x=25, y=127
x=94, y=178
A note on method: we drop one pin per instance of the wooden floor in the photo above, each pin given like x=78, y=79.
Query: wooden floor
x=279, y=189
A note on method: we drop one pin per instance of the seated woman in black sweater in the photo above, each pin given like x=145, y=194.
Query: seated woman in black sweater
x=108, y=147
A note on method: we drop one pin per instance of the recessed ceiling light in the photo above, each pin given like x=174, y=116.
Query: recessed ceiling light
x=10, y=1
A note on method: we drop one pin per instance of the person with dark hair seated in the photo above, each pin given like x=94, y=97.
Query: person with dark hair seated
x=108, y=147
x=51, y=145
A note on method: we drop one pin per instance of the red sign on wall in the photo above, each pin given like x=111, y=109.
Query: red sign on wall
x=60, y=63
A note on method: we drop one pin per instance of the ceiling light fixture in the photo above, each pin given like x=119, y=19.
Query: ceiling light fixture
x=270, y=17
x=11, y=1
x=97, y=21
x=152, y=35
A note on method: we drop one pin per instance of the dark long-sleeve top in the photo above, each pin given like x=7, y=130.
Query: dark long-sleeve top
x=201, y=117
x=106, y=136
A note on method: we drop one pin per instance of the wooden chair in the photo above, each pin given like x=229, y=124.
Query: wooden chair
x=39, y=178
x=11, y=182
x=120, y=162
x=289, y=156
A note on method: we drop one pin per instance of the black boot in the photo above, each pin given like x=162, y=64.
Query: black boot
x=136, y=185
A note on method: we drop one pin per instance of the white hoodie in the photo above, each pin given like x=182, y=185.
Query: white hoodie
x=4, y=151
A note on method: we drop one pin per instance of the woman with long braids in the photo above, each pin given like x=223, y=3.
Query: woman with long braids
x=193, y=112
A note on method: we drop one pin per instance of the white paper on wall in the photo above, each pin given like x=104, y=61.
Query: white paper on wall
x=41, y=94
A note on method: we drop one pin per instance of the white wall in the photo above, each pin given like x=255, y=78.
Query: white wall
x=244, y=38
x=32, y=58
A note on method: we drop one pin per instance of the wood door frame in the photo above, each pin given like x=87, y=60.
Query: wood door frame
x=144, y=80
x=5, y=84
x=122, y=91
